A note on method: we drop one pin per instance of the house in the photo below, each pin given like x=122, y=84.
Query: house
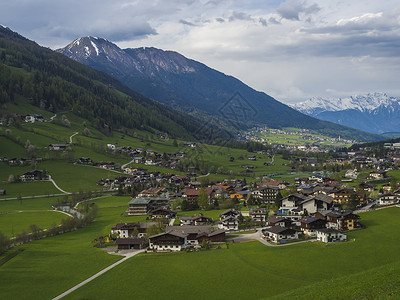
x=126, y=230
x=377, y=175
x=259, y=215
x=198, y=220
x=2, y=192
x=351, y=174
x=144, y=205
x=168, y=241
x=33, y=175
x=196, y=234
x=340, y=219
x=388, y=199
x=57, y=147
x=279, y=221
x=309, y=225
x=330, y=235
x=279, y=234
x=130, y=243
x=193, y=194
x=266, y=194
x=138, y=160
x=278, y=183
x=229, y=223
x=84, y=161
x=162, y=213
x=317, y=202
x=367, y=186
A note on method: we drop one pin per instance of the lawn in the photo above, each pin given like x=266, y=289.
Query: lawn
x=12, y=223
x=28, y=204
x=32, y=188
x=252, y=270
x=10, y=149
x=249, y=270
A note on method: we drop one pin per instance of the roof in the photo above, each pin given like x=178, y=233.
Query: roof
x=145, y=200
x=327, y=230
x=130, y=241
x=189, y=229
x=216, y=232
x=228, y=211
x=126, y=226
x=178, y=234
x=307, y=220
x=278, y=229
x=196, y=192
x=319, y=197
x=276, y=219
x=153, y=190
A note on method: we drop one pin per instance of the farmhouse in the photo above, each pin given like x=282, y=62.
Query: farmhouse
x=330, y=235
x=309, y=225
x=316, y=203
x=168, y=241
x=193, y=194
x=125, y=230
x=33, y=175
x=340, y=219
x=198, y=220
x=162, y=212
x=377, y=175
x=259, y=215
x=279, y=221
x=279, y=234
x=388, y=199
x=57, y=147
x=2, y=192
x=155, y=192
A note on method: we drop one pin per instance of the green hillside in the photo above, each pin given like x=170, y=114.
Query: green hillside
x=57, y=84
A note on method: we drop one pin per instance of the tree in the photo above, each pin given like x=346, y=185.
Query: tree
x=4, y=243
x=235, y=200
x=278, y=199
x=203, y=199
x=250, y=200
x=86, y=132
x=135, y=232
x=184, y=205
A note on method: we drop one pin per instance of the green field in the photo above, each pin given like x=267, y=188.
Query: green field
x=250, y=270
x=26, y=189
x=12, y=223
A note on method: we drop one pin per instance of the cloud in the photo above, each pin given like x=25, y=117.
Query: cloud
x=240, y=16
x=291, y=9
x=263, y=21
x=184, y=22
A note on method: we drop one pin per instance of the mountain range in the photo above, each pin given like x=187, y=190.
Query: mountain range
x=375, y=112
x=47, y=79
x=194, y=88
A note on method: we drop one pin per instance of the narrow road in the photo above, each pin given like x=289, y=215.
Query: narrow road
x=365, y=208
x=57, y=187
x=129, y=255
x=123, y=166
x=52, y=118
x=203, y=175
x=70, y=138
x=171, y=223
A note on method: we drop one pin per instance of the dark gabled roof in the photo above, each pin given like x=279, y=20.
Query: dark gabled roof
x=189, y=229
x=130, y=241
x=308, y=220
x=278, y=229
x=319, y=197
x=228, y=211
x=178, y=234
x=327, y=230
x=216, y=232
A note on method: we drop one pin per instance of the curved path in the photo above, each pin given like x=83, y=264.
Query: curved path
x=123, y=166
x=70, y=138
x=127, y=256
x=57, y=187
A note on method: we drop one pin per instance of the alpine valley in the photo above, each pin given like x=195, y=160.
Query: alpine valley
x=375, y=113
x=194, y=88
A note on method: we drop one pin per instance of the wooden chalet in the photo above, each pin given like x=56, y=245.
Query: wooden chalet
x=144, y=205
x=125, y=230
x=279, y=221
x=279, y=234
x=198, y=220
x=340, y=220
x=259, y=215
x=309, y=225
x=330, y=235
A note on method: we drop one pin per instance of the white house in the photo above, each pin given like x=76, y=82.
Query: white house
x=278, y=233
x=330, y=235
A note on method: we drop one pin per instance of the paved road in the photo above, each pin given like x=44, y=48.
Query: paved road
x=171, y=222
x=365, y=208
x=257, y=236
x=123, y=166
x=70, y=138
x=127, y=256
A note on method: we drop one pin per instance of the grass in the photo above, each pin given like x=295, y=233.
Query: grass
x=28, y=204
x=15, y=222
x=10, y=149
x=264, y=271
x=32, y=188
x=249, y=270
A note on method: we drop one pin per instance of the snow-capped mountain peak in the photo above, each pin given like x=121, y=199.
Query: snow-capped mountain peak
x=373, y=112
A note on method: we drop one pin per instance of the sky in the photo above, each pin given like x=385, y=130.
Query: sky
x=292, y=50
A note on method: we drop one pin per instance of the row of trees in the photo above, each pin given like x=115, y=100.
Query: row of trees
x=36, y=233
